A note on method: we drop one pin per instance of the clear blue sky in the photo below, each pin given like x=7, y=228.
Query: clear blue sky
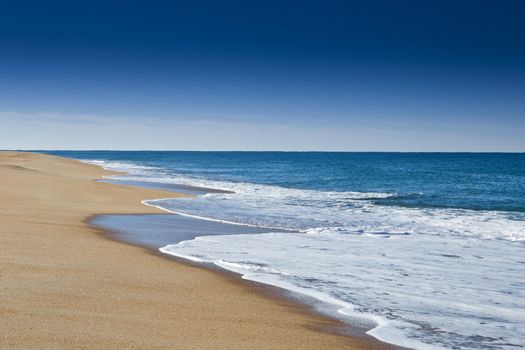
x=263, y=75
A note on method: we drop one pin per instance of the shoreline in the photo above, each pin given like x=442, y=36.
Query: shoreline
x=266, y=290
x=305, y=302
x=90, y=292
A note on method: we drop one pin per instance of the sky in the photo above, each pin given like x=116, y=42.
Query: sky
x=263, y=75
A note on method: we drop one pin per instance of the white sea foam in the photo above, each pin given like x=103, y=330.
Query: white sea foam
x=150, y=203
x=428, y=278
x=422, y=291
x=121, y=166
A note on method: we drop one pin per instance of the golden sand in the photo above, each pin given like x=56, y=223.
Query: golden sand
x=64, y=286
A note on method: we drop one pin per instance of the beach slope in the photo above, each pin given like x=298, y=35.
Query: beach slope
x=63, y=285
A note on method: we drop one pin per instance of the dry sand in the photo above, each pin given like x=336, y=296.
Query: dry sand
x=64, y=286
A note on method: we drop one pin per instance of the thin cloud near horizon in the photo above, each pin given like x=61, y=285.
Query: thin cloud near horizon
x=33, y=131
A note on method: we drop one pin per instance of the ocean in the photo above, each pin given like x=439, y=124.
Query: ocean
x=428, y=249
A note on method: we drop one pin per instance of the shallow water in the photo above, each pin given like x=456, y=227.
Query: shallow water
x=157, y=230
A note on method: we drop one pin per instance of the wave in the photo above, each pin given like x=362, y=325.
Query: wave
x=392, y=282
x=269, y=276
x=310, y=210
x=150, y=203
x=428, y=278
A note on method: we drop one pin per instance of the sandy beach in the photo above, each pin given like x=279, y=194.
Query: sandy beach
x=64, y=285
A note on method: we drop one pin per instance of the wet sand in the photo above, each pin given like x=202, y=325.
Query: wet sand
x=64, y=285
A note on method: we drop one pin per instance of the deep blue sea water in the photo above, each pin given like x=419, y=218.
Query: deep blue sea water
x=488, y=181
x=427, y=247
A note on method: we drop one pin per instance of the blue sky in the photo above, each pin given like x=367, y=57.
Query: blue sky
x=272, y=75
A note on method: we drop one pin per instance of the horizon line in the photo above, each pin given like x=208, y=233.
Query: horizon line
x=251, y=151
